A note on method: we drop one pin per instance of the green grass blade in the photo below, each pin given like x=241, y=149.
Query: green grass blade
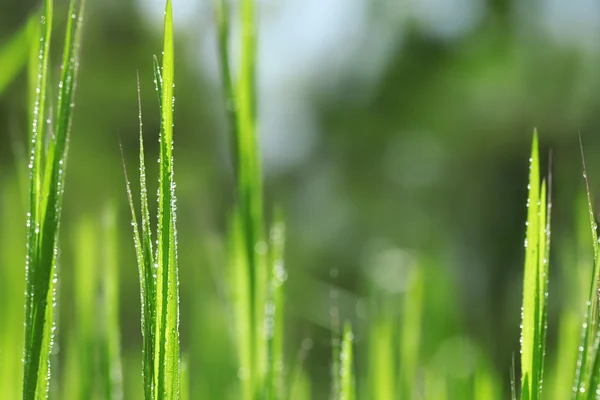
x=347, y=380
x=382, y=371
x=222, y=23
x=241, y=113
x=588, y=349
x=166, y=341
x=84, y=290
x=535, y=282
x=145, y=295
x=411, y=333
x=36, y=294
x=46, y=191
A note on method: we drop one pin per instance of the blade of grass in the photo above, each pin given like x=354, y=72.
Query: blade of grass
x=46, y=191
x=12, y=286
x=85, y=291
x=411, y=333
x=241, y=112
x=145, y=261
x=382, y=371
x=347, y=380
x=535, y=282
x=166, y=341
x=588, y=347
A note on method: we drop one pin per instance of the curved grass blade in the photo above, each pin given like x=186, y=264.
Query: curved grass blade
x=146, y=269
x=347, y=380
x=46, y=192
x=241, y=113
x=587, y=362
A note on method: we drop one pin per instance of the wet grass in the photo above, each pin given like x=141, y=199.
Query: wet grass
x=407, y=346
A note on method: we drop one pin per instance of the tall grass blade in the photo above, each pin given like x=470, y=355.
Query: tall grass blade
x=166, y=341
x=146, y=266
x=112, y=374
x=85, y=287
x=249, y=264
x=410, y=334
x=587, y=361
x=12, y=286
x=46, y=192
x=535, y=282
x=13, y=54
x=347, y=380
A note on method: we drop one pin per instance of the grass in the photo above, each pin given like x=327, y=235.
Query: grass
x=406, y=343
x=159, y=281
x=47, y=167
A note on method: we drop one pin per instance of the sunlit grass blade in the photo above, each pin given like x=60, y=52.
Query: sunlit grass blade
x=146, y=267
x=382, y=371
x=85, y=290
x=46, y=192
x=535, y=282
x=410, y=333
x=587, y=361
x=111, y=343
x=166, y=340
x=347, y=379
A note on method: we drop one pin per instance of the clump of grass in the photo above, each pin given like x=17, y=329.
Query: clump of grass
x=535, y=281
x=158, y=267
x=46, y=186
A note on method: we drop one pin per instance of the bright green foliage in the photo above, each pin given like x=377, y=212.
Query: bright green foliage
x=47, y=176
x=382, y=370
x=158, y=270
x=535, y=282
x=256, y=294
x=346, y=371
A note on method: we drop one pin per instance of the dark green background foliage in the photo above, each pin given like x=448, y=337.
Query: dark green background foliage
x=422, y=166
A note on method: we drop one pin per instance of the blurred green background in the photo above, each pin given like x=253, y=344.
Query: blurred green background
x=394, y=134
